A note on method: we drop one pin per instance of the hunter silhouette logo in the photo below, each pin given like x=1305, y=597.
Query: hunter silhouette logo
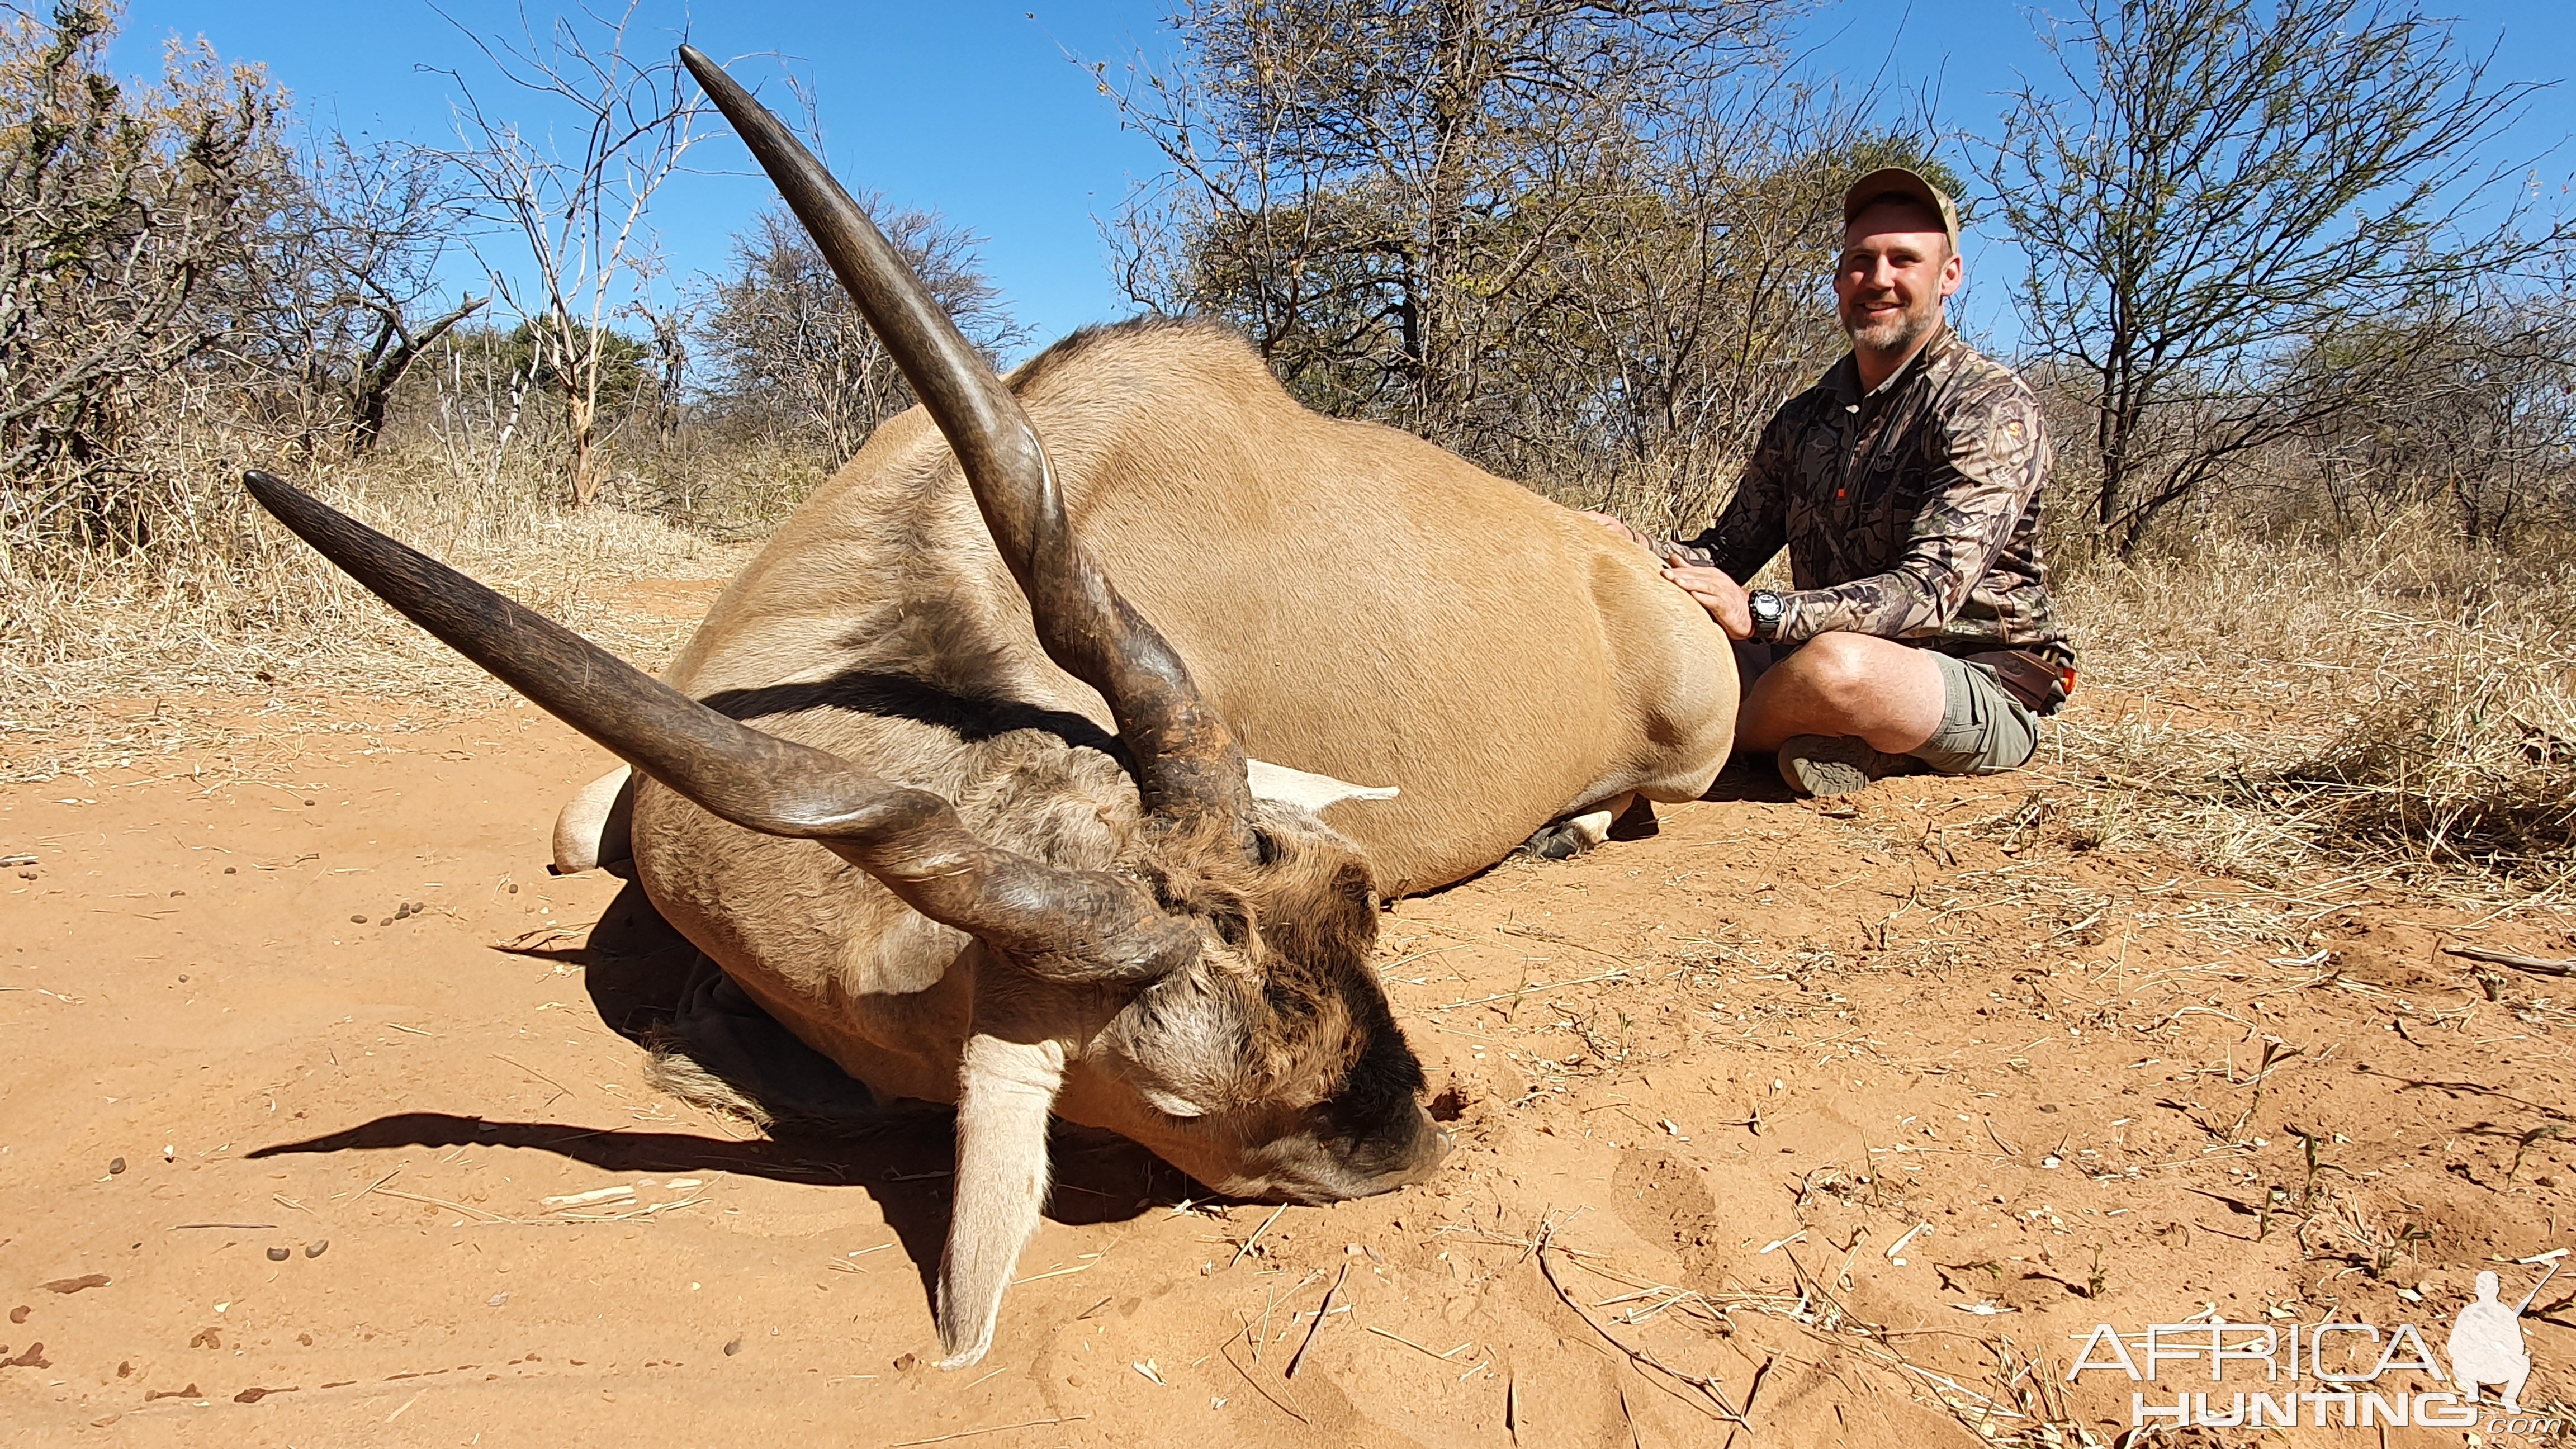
x=2339, y=1373
x=2486, y=1341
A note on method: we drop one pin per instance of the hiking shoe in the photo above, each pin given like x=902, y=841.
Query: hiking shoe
x=1836, y=764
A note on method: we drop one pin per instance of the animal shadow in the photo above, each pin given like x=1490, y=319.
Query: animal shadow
x=1750, y=777
x=636, y=966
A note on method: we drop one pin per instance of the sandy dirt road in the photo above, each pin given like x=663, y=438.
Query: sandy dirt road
x=1843, y=1123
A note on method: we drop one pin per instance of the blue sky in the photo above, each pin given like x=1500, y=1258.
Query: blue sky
x=975, y=110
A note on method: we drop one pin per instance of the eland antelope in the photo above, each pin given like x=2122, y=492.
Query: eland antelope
x=954, y=780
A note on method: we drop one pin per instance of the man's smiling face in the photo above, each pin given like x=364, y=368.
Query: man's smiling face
x=1897, y=268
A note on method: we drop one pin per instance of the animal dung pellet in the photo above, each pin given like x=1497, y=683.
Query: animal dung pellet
x=733, y=1345
x=280, y=1255
x=314, y=1249
x=358, y=920
x=115, y=1165
x=403, y=912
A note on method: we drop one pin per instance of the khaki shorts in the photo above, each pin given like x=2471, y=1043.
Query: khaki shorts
x=1984, y=726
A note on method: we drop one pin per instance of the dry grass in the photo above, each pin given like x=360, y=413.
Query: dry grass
x=228, y=604
x=2403, y=704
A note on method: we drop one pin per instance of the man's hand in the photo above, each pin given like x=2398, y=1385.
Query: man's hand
x=1723, y=597
x=1621, y=529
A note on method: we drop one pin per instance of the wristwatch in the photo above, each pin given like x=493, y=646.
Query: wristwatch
x=1767, y=609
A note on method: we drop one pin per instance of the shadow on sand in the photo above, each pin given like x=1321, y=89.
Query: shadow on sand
x=635, y=966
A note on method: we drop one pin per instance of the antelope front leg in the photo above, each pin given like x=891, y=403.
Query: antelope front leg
x=1007, y=1090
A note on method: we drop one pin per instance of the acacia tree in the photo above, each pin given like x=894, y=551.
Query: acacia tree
x=787, y=349
x=1369, y=186
x=2222, y=182
x=578, y=209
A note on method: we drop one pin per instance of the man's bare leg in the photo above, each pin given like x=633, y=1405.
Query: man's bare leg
x=1889, y=694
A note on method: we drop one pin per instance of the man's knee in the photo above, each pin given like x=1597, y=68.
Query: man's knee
x=1839, y=667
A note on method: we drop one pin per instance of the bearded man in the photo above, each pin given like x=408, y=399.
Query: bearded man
x=1918, y=634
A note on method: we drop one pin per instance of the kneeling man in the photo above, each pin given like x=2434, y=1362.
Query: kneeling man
x=1906, y=486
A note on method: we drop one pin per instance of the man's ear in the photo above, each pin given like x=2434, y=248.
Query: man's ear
x=1308, y=791
x=1006, y=1089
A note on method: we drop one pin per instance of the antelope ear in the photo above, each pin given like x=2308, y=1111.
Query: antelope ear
x=1173, y=1043
x=1307, y=790
x=1006, y=1090
x=1169, y=1103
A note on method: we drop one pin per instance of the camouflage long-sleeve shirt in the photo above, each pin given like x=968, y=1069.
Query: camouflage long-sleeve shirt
x=1909, y=513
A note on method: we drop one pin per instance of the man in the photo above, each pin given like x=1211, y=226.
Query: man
x=2486, y=1342
x=1906, y=487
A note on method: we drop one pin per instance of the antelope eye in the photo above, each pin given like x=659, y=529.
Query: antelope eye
x=1232, y=929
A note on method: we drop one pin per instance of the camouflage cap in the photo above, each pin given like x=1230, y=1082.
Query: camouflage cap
x=1897, y=182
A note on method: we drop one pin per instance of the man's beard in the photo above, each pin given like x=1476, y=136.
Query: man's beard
x=1897, y=333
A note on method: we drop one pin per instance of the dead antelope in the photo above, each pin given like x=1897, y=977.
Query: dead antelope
x=996, y=841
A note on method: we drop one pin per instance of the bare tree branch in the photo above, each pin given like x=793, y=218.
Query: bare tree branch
x=577, y=211
x=2218, y=184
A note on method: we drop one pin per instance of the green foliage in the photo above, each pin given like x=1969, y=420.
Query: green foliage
x=621, y=363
